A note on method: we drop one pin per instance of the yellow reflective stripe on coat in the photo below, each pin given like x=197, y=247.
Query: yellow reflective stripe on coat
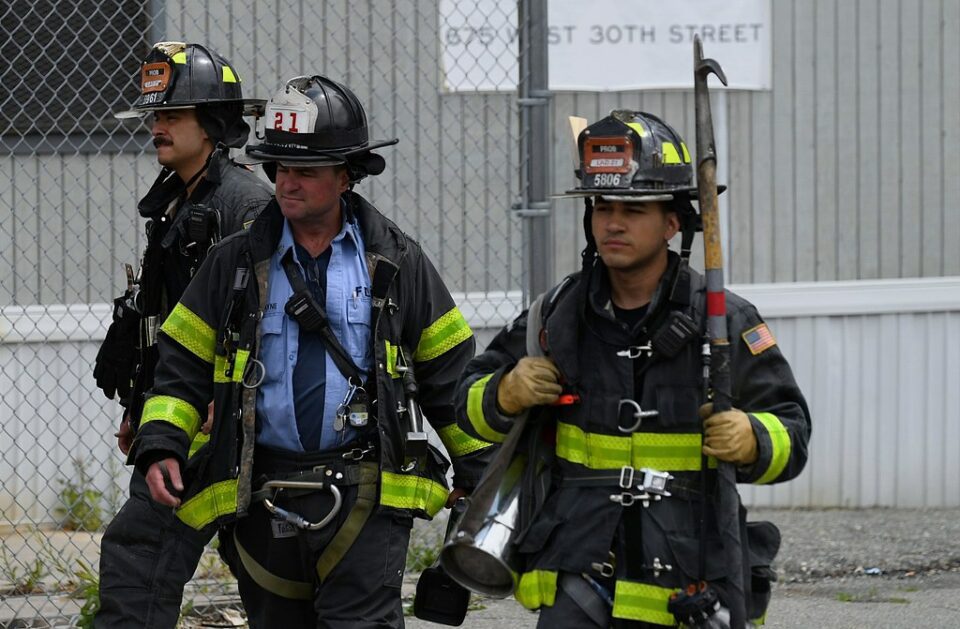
x=537, y=588
x=198, y=442
x=669, y=452
x=644, y=602
x=442, y=335
x=391, y=351
x=239, y=365
x=780, y=445
x=475, y=411
x=189, y=330
x=407, y=491
x=211, y=503
x=173, y=411
x=459, y=443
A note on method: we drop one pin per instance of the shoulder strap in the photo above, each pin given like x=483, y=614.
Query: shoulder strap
x=311, y=315
x=538, y=312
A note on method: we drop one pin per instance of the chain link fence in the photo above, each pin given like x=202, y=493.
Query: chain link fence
x=71, y=175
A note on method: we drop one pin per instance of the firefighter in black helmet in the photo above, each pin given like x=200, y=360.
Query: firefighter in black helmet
x=624, y=518
x=322, y=333
x=196, y=104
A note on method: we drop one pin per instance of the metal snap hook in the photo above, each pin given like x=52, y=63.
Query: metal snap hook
x=253, y=362
x=638, y=413
x=296, y=519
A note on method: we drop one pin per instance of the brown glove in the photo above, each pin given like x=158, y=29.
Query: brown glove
x=728, y=436
x=531, y=382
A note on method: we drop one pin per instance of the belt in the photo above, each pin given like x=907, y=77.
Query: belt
x=628, y=478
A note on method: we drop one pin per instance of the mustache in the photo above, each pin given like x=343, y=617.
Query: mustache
x=162, y=141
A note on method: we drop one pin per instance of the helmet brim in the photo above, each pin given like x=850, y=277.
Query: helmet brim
x=251, y=107
x=634, y=195
x=264, y=153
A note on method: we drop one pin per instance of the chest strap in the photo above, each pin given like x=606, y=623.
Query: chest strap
x=311, y=316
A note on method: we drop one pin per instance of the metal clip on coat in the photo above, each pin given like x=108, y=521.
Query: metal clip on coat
x=415, y=443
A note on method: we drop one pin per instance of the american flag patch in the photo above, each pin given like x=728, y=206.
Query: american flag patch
x=759, y=339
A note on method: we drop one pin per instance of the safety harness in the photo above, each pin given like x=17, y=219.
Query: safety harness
x=353, y=467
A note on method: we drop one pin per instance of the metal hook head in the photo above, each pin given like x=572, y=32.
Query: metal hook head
x=704, y=67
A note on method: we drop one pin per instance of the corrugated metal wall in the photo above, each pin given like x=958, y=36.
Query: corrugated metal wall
x=882, y=394
x=849, y=168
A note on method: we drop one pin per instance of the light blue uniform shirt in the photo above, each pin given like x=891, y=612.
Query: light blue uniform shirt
x=348, y=308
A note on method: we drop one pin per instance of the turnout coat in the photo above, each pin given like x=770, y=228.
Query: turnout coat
x=595, y=446
x=208, y=348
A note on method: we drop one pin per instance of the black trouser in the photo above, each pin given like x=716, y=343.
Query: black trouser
x=361, y=591
x=147, y=555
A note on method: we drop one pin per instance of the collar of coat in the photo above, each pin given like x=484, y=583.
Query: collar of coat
x=381, y=237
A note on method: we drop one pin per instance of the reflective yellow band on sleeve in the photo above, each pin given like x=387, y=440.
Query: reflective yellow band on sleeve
x=643, y=602
x=239, y=365
x=459, y=443
x=442, y=335
x=670, y=154
x=180, y=58
x=216, y=500
x=537, y=588
x=392, y=359
x=407, y=491
x=173, y=411
x=229, y=76
x=668, y=452
x=198, y=442
x=780, y=445
x=475, y=411
x=192, y=332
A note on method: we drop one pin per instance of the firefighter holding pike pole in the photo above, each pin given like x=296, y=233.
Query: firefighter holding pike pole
x=650, y=391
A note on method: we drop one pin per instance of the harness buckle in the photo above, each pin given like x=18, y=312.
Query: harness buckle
x=658, y=567
x=357, y=454
x=626, y=477
x=638, y=413
x=605, y=568
x=626, y=499
x=655, y=481
x=636, y=351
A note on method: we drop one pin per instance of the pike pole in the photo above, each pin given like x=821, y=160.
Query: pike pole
x=728, y=500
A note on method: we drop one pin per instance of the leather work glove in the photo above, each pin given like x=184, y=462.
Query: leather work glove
x=116, y=360
x=532, y=381
x=728, y=436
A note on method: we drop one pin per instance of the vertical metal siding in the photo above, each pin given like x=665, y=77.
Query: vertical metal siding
x=881, y=390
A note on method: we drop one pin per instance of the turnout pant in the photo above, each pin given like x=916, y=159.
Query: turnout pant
x=147, y=555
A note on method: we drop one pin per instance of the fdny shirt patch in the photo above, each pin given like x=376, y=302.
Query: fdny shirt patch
x=759, y=339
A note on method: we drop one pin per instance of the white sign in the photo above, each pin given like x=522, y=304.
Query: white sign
x=607, y=45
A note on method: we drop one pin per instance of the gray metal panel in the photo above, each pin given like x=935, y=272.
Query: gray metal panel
x=882, y=431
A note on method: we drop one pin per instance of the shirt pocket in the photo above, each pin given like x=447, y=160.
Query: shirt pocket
x=358, y=330
x=273, y=347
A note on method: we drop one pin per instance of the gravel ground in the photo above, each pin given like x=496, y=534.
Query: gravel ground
x=838, y=543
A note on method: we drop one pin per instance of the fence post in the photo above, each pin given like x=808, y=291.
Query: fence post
x=535, y=149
